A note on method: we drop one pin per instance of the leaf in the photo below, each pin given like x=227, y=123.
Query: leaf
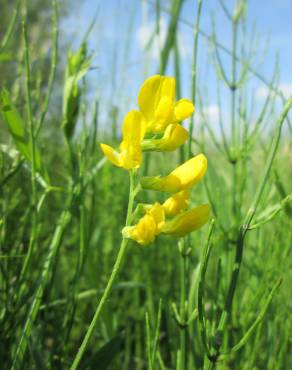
x=105, y=355
x=6, y=57
x=16, y=128
x=15, y=124
x=77, y=66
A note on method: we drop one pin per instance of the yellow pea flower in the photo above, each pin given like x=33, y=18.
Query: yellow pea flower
x=150, y=225
x=130, y=151
x=183, y=177
x=157, y=104
x=174, y=136
x=188, y=221
x=179, y=201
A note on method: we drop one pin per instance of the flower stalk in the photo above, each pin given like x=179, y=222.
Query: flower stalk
x=112, y=278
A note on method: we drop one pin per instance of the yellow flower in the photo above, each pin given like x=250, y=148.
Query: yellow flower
x=156, y=102
x=130, y=154
x=174, y=136
x=150, y=225
x=183, y=177
x=187, y=222
x=179, y=201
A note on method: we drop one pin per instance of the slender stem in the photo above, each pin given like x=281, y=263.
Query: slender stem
x=170, y=37
x=182, y=334
x=178, y=89
x=233, y=82
x=232, y=120
x=247, y=221
x=33, y=234
x=194, y=73
x=108, y=288
x=47, y=267
x=53, y=65
x=11, y=27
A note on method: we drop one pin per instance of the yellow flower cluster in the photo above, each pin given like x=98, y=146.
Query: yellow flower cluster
x=159, y=119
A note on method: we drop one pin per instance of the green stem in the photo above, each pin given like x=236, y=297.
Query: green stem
x=170, y=37
x=11, y=27
x=233, y=83
x=36, y=303
x=182, y=334
x=194, y=73
x=247, y=221
x=108, y=288
x=52, y=67
x=33, y=234
x=232, y=119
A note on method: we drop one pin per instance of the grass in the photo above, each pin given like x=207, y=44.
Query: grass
x=218, y=299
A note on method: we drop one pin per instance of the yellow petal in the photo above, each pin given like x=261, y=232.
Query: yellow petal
x=133, y=127
x=164, y=109
x=155, y=101
x=183, y=177
x=174, y=136
x=144, y=232
x=179, y=201
x=188, y=221
x=133, y=133
x=167, y=87
x=111, y=154
x=150, y=225
x=149, y=96
x=130, y=155
x=183, y=109
x=157, y=212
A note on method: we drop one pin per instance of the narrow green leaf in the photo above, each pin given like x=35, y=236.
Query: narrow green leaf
x=16, y=127
x=102, y=359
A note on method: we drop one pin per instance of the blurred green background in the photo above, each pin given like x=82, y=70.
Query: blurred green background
x=68, y=209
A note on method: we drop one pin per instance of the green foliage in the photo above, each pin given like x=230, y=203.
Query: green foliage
x=16, y=128
x=219, y=299
x=77, y=66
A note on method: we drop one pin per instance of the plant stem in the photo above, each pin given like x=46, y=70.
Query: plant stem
x=183, y=332
x=194, y=73
x=47, y=266
x=170, y=37
x=247, y=221
x=232, y=120
x=108, y=288
x=33, y=234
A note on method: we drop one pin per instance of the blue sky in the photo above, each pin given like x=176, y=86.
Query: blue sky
x=124, y=27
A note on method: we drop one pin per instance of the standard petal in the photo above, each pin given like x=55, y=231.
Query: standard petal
x=188, y=221
x=167, y=87
x=183, y=109
x=111, y=154
x=133, y=133
x=175, y=204
x=149, y=96
x=164, y=110
x=133, y=127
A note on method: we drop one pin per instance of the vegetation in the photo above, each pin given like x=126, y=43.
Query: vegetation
x=70, y=297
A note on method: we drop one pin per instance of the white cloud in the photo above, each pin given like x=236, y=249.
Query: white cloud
x=148, y=38
x=285, y=88
x=211, y=113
